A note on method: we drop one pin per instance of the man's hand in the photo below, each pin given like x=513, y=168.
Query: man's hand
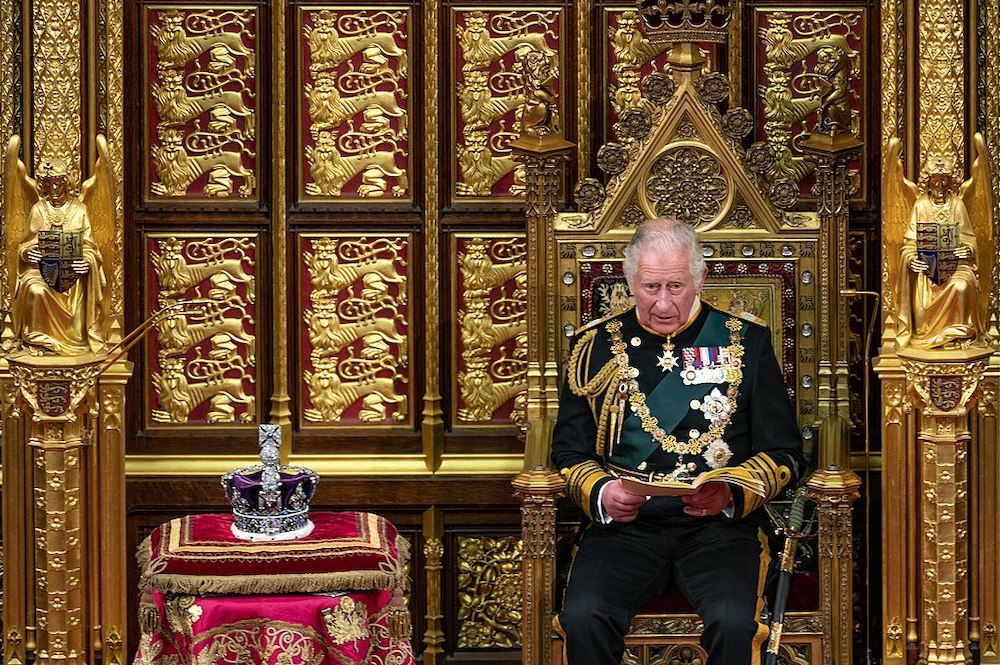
x=80, y=267
x=963, y=251
x=620, y=504
x=34, y=254
x=709, y=500
x=919, y=266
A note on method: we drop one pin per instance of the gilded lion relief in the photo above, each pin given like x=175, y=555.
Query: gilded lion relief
x=355, y=330
x=201, y=105
x=489, y=94
x=355, y=103
x=810, y=69
x=492, y=329
x=203, y=363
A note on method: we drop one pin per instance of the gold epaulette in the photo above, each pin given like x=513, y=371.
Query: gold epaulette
x=596, y=322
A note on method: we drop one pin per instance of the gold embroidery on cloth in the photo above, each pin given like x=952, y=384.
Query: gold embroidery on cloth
x=348, y=622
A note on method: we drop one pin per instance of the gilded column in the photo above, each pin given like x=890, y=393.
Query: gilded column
x=989, y=105
x=281, y=413
x=12, y=462
x=18, y=587
x=433, y=653
x=106, y=464
x=984, y=511
x=112, y=108
x=893, y=94
x=836, y=487
x=543, y=150
x=432, y=424
x=944, y=382
x=834, y=490
x=986, y=609
x=584, y=28
x=899, y=622
x=9, y=105
x=833, y=152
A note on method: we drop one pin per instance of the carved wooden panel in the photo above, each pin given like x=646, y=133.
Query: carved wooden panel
x=354, y=103
x=489, y=592
x=200, y=102
x=491, y=329
x=202, y=359
x=807, y=59
x=354, y=330
x=487, y=93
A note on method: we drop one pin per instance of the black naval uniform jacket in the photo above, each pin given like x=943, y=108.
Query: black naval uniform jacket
x=591, y=441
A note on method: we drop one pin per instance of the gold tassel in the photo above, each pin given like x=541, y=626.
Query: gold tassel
x=149, y=613
x=399, y=616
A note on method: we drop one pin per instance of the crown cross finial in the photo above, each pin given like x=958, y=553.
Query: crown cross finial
x=685, y=20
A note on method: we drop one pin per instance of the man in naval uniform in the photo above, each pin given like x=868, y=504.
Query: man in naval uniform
x=668, y=390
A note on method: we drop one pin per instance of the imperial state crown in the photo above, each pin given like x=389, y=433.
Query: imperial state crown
x=270, y=501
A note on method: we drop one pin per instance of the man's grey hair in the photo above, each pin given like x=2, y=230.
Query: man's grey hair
x=660, y=235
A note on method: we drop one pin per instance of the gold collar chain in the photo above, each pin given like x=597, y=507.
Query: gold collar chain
x=628, y=388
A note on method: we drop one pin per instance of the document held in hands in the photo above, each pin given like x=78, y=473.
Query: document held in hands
x=734, y=475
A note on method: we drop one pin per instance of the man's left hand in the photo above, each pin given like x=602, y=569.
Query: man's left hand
x=709, y=500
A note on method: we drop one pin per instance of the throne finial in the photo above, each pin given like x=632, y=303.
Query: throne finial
x=694, y=21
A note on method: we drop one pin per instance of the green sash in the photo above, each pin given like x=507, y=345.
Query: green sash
x=669, y=401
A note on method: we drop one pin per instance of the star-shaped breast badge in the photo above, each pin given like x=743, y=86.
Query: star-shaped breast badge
x=667, y=361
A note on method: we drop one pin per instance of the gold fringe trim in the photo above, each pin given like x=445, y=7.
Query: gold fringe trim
x=267, y=584
x=270, y=583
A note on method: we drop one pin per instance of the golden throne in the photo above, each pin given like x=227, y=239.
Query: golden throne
x=683, y=157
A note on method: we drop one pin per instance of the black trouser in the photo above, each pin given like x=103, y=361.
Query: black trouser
x=720, y=565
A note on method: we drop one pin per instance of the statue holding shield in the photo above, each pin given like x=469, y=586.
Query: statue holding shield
x=59, y=304
x=933, y=235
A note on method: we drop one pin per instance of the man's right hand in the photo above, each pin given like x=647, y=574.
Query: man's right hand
x=919, y=266
x=620, y=504
x=34, y=254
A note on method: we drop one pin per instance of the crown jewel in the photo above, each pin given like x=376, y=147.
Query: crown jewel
x=270, y=501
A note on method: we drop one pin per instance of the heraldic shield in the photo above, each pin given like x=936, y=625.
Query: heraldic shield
x=59, y=249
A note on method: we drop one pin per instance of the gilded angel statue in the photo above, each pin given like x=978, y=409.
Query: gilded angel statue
x=60, y=300
x=941, y=278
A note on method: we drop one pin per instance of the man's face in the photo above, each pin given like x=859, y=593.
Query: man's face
x=664, y=290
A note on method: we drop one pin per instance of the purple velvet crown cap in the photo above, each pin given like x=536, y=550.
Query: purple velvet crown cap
x=268, y=499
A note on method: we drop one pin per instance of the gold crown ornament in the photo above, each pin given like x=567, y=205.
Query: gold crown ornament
x=685, y=20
